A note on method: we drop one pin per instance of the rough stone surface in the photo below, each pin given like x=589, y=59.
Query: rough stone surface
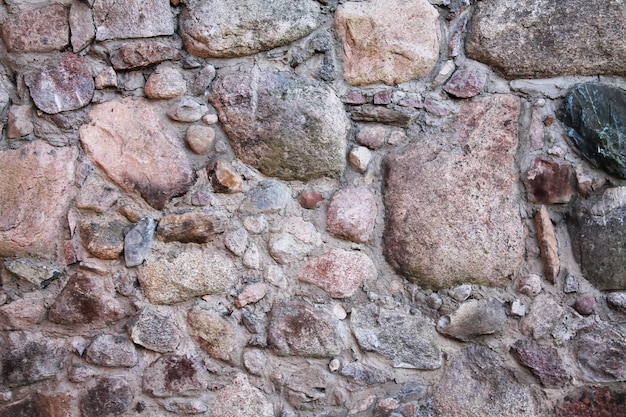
x=203, y=80
x=241, y=399
x=37, y=173
x=200, y=139
x=181, y=406
x=339, y=272
x=110, y=397
x=104, y=240
x=392, y=115
x=466, y=82
x=351, y=214
x=40, y=274
x=474, y=379
x=388, y=41
x=617, y=300
x=298, y=328
x=600, y=354
x=474, y=318
x=288, y=127
x=595, y=115
x=295, y=242
x=186, y=110
x=196, y=227
x=365, y=374
x=407, y=340
x=164, y=83
x=20, y=121
x=266, y=197
x=130, y=141
x=22, y=313
x=360, y=158
x=62, y=85
x=137, y=242
x=597, y=403
x=237, y=28
x=141, y=54
x=96, y=194
x=155, y=329
x=548, y=245
x=451, y=211
x=585, y=304
x=191, y=274
x=218, y=336
x=251, y=294
x=548, y=182
x=372, y=136
x=595, y=227
x=40, y=30
x=82, y=28
x=86, y=298
x=310, y=199
x=524, y=40
x=112, y=350
x=28, y=361
x=123, y=19
x=543, y=317
x=173, y=375
x=543, y=361
x=224, y=178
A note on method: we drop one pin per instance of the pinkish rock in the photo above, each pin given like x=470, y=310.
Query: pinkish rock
x=224, y=178
x=544, y=362
x=548, y=182
x=131, y=142
x=81, y=25
x=548, y=246
x=241, y=399
x=86, y=298
x=141, y=54
x=453, y=198
x=22, y=313
x=585, y=304
x=352, y=214
x=251, y=294
x=174, y=375
x=104, y=240
x=62, y=85
x=372, y=136
x=600, y=351
x=217, y=335
x=124, y=19
x=112, y=350
x=20, y=121
x=200, y=139
x=389, y=41
x=544, y=314
x=36, y=185
x=310, y=199
x=40, y=30
x=360, y=158
x=355, y=97
x=383, y=97
x=197, y=227
x=339, y=272
x=165, y=82
x=97, y=195
x=466, y=82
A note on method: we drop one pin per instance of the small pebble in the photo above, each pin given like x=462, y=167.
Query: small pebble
x=570, y=285
x=310, y=199
x=518, y=309
x=585, y=304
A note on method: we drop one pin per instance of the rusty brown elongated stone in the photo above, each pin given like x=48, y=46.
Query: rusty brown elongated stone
x=547, y=244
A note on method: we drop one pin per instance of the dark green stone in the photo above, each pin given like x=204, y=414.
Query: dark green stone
x=595, y=117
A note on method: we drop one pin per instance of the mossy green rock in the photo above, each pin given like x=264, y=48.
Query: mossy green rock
x=289, y=127
x=595, y=117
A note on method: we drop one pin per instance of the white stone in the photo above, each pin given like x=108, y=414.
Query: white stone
x=360, y=157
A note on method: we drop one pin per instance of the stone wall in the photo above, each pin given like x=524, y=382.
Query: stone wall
x=312, y=208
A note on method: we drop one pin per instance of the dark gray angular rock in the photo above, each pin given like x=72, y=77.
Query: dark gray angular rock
x=366, y=374
x=543, y=361
x=544, y=38
x=61, y=86
x=112, y=350
x=477, y=383
x=406, y=339
x=110, y=397
x=174, y=375
x=595, y=117
x=474, y=318
x=155, y=329
x=298, y=328
x=137, y=242
x=600, y=354
x=266, y=197
x=31, y=360
x=286, y=126
x=218, y=29
x=598, y=237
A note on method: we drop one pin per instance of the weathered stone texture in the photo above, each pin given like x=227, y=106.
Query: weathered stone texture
x=212, y=28
x=155, y=329
x=388, y=41
x=288, y=127
x=474, y=318
x=548, y=245
x=174, y=375
x=112, y=350
x=543, y=361
x=81, y=25
x=123, y=19
x=542, y=38
x=219, y=337
x=197, y=227
x=141, y=54
x=352, y=214
x=131, y=142
x=592, y=403
x=600, y=354
x=28, y=360
x=36, y=187
x=110, y=396
x=241, y=399
x=41, y=30
x=450, y=201
x=548, y=182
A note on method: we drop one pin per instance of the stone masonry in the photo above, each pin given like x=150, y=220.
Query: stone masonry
x=306, y=208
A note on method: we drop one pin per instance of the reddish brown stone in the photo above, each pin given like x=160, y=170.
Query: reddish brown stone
x=543, y=361
x=104, y=240
x=548, y=182
x=41, y=30
x=548, y=245
x=142, y=54
x=61, y=86
x=352, y=214
x=600, y=352
x=86, y=299
x=585, y=304
x=382, y=97
x=339, y=272
x=599, y=403
x=199, y=227
x=173, y=375
x=310, y=199
x=355, y=97
x=224, y=178
x=81, y=25
x=466, y=82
